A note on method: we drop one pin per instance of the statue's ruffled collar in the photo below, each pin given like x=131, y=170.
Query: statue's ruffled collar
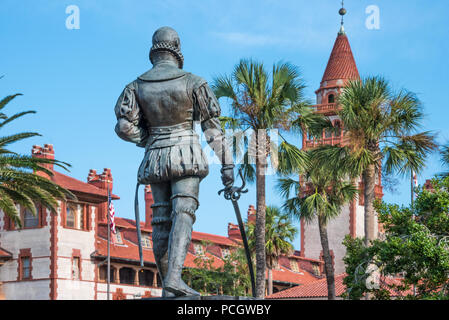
x=162, y=71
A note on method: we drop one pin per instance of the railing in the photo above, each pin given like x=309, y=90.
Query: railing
x=326, y=141
x=326, y=108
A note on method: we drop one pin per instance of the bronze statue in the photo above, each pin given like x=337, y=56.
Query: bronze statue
x=157, y=111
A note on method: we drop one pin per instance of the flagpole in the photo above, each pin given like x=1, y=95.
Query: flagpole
x=109, y=247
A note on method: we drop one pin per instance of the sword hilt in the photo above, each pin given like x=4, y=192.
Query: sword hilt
x=233, y=193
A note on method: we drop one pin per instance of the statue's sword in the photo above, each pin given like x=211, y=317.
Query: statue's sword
x=233, y=194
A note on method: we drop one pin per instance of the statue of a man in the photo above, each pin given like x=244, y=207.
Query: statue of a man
x=157, y=111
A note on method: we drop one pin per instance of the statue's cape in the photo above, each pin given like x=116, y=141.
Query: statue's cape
x=162, y=72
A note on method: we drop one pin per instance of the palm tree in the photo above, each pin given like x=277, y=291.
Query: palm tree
x=258, y=106
x=381, y=126
x=280, y=232
x=322, y=198
x=22, y=178
x=445, y=159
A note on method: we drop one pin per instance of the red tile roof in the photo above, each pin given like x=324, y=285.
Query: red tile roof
x=283, y=274
x=78, y=186
x=315, y=289
x=200, y=236
x=318, y=289
x=341, y=63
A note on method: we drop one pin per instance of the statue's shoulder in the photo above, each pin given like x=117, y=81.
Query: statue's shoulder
x=194, y=81
x=132, y=85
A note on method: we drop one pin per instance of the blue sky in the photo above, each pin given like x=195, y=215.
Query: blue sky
x=73, y=78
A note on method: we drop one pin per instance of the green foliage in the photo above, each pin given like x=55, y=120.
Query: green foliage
x=415, y=248
x=380, y=125
x=445, y=159
x=231, y=279
x=324, y=193
x=262, y=101
x=22, y=178
x=279, y=235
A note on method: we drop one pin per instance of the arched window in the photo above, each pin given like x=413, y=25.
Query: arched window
x=331, y=98
x=127, y=275
x=70, y=218
x=103, y=271
x=75, y=215
x=146, y=278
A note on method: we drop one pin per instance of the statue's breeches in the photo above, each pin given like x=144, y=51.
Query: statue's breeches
x=172, y=154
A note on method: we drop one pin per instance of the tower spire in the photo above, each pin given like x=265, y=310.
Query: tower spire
x=342, y=12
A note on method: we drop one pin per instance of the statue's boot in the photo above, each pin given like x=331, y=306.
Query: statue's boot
x=180, y=237
x=161, y=231
x=162, y=266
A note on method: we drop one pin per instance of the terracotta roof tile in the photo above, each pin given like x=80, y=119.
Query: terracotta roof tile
x=318, y=289
x=76, y=185
x=315, y=289
x=285, y=275
x=200, y=236
x=341, y=63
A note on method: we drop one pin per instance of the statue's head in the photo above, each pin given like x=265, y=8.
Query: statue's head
x=166, y=39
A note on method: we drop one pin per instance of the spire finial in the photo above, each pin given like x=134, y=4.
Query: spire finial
x=342, y=12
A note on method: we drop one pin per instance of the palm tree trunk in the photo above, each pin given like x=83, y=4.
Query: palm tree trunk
x=270, y=281
x=261, y=159
x=260, y=230
x=328, y=267
x=369, y=196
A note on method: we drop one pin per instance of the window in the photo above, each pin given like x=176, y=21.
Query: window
x=146, y=241
x=331, y=98
x=294, y=265
x=225, y=253
x=29, y=219
x=70, y=219
x=199, y=250
x=328, y=133
x=316, y=270
x=75, y=216
x=76, y=268
x=310, y=136
x=25, y=263
x=103, y=271
x=337, y=125
x=117, y=237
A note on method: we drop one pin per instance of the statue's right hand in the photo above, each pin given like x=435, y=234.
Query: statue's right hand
x=227, y=177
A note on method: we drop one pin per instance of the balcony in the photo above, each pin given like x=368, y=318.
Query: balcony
x=327, y=108
x=325, y=141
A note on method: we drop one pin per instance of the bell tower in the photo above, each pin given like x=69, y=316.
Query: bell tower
x=341, y=68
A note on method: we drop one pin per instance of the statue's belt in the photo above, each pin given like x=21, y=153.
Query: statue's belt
x=180, y=134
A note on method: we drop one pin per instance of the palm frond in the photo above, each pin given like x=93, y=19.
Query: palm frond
x=4, y=141
x=8, y=99
x=14, y=117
